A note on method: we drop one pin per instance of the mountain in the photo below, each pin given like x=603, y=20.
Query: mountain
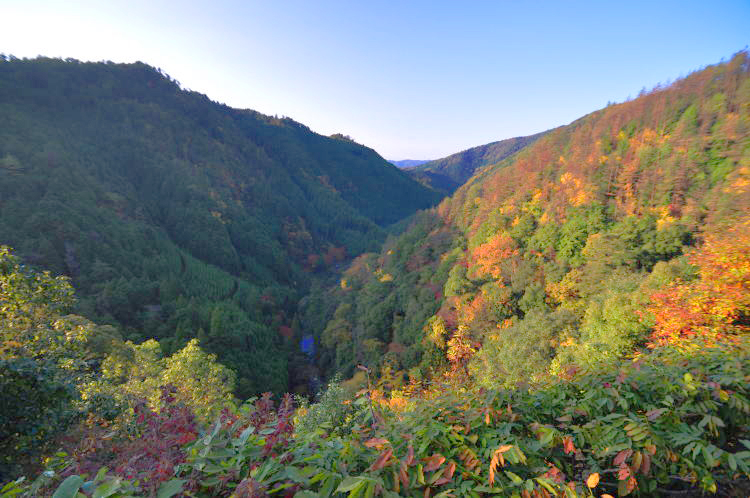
x=574, y=320
x=177, y=217
x=408, y=163
x=447, y=174
x=555, y=255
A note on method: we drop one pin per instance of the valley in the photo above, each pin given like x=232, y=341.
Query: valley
x=561, y=314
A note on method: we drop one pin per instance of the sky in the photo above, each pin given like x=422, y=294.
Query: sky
x=411, y=79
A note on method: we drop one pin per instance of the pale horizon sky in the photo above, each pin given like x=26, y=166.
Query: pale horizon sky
x=413, y=80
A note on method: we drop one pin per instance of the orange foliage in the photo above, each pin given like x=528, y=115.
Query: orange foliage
x=472, y=309
x=718, y=302
x=487, y=257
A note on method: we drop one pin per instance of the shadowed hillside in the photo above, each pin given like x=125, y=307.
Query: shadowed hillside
x=178, y=217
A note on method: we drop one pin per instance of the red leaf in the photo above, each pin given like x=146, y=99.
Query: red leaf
x=646, y=465
x=451, y=470
x=654, y=414
x=376, y=442
x=410, y=455
x=632, y=483
x=623, y=472
x=434, y=462
x=568, y=445
x=403, y=475
x=382, y=460
x=622, y=456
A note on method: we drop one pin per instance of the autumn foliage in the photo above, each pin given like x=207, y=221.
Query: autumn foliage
x=717, y=302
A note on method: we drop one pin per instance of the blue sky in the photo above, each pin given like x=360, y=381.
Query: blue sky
x=411, y=79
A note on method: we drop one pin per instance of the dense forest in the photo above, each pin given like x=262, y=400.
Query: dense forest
x=179, y=218
x=560, y=245
x=572, y=322
x=447, y=174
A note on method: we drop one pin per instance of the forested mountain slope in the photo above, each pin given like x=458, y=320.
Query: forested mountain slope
x=574, y=321
x=178, y=217
x=447, y=174
x=556, y=255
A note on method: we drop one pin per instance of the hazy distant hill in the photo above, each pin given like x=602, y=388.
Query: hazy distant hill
x=447, y=174
x=409, y=163
x=179, y=217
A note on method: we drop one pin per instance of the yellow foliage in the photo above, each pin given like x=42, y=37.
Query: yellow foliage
x=664, y=221
x=565, y=291
x=649, y=135
x=740, y=184
x=357, y=381
x=580, y=197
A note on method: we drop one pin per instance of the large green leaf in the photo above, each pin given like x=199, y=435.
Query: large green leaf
x=170, y=488
x=69, y=487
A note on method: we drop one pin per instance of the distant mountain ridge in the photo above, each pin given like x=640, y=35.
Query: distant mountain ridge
x=447, y=174
x=408, y=163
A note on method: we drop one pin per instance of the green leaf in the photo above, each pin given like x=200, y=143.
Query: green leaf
x=107, y=488
x=69, y=487
x=12, y=484
x=101, y=474
x=513, y=477
x=281, y=487
x=487, y=489
x=354, y=493
x=170, y=488
x=370, y=491
x=547, y=484
x=732, y=462
x=327, y=488
x=348, y=484
x=294, y=474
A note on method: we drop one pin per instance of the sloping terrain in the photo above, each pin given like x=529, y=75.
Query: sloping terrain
x=447, y=174
x=553, y=256
x=177, y=217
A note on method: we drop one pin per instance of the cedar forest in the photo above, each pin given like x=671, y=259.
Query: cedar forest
x=564, y=314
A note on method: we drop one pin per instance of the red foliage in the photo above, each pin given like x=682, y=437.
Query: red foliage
x=286, y=331
x=311, y=262
x=334, y=255
x=149, y=454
